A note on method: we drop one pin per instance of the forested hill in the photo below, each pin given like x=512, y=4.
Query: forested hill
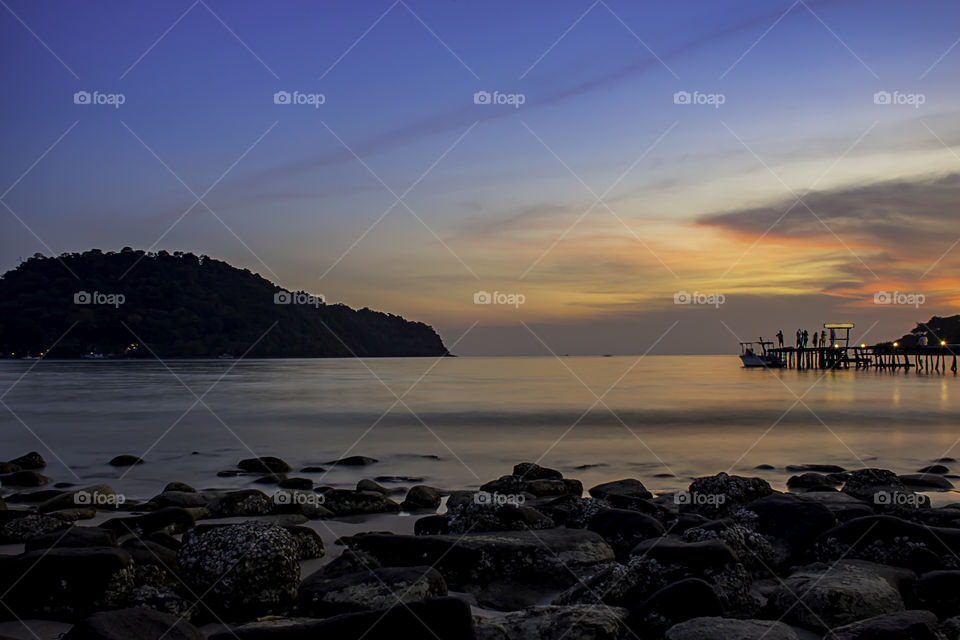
x=183, y=305
x=937, y=328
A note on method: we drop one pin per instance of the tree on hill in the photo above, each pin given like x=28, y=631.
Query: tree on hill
x=138, y=304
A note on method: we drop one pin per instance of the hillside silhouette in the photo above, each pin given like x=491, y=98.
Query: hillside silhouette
x=936, y=329
x=183, y=305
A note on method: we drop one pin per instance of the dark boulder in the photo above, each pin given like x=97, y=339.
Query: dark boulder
x=125, y=461
x=74, y=537
x=437, y=619
x=24, y=479
x=623, y=529
x=421, y=497
x=138, y=622
x=627, y=487
x=171, y=520
x=905, y=625
x=675, y=603
x=64, y=584
x=30, y=461
x=343, y=502
x=532, y=471
x=244, y=570
x=266, y=464
x=321, y=596
x=722, y=494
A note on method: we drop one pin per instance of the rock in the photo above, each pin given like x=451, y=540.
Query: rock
x=485, y=513
x=577, y=622
x=432, y=525
x=934, y=468
x=343, y=502
x=24, y=479
x=811, y=480
x=308, y=542
x=843, y=506
x=764, y=467
x=421, y=497
x=73, y=537
x=321, y=597
x=242, y=503
x=170, y=520
x=819, y=597
x=887, y=540
x=185, y=499
x=353, y=461
x=627, y=487
x=125, y=461
x=313, y=469
x=458, y=498
x=905, y=625
x=147, y=552
x=306, y=503
x=99, y=496
x=709, y=628
x=678, y=602
x=138, y=622
x=398, y=479
x=794, y=521
x=505, y=570
x=927, y=482
x=350, y=561
x=74, y=515
x=245, y=570
x=30, y=461
x=533, y=471
x=437, y=619
x=8, y=467
x=305, y=484
x=868, y=484
x=623, y=529
x=64, y=584
x=370, y=485
x=722, y=494
x=181, y=487
x=29, y=527
x=939, y=591
x=266, y=464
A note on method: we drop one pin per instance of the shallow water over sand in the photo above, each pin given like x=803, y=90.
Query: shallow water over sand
x=462, y=421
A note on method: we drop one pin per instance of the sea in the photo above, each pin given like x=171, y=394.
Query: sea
x=454, y=423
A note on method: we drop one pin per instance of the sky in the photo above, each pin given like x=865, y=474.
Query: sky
x=548, y=176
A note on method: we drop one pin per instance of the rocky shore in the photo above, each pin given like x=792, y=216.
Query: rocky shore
x=844, y=555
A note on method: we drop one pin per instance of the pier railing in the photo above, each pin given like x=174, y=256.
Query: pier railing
x=938, y=358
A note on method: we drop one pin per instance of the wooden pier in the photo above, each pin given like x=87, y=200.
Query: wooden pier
x=840, y=354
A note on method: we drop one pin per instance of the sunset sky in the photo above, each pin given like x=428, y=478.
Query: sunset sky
x=599, y=198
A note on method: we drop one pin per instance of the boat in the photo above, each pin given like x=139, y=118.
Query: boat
x=92, y=356
x=757, y=355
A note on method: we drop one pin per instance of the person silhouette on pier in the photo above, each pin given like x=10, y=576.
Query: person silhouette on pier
x=833, y=336
x=798, y=338
x=780, y=338
x=816, y=337
x=823, y=338
x=805, y=337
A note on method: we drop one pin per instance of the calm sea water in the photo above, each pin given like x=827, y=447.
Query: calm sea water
x=458, y=422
